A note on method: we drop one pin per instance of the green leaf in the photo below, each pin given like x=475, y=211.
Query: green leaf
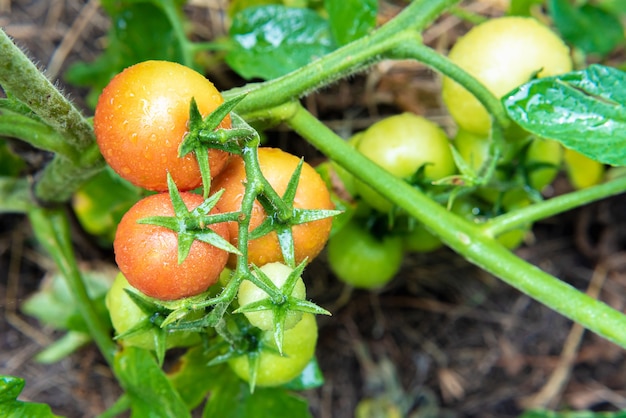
x=273, y=40
x=579, y=26
x=10, y=388
x=140, y=31
x=523, y=7
x=63, y=347
x=231, y=398
x=16, y=195
x=584, y=110
x=151, y=393
x=351, y=19
x=53, y=304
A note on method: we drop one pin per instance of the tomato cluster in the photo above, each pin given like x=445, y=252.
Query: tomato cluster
x=474, y=173
x=176, y=243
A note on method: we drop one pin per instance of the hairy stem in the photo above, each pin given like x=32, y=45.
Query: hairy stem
x=349, y=59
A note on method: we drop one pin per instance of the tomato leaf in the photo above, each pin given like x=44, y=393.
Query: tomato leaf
x=151, y=393
x=351, y=19
x=584, y=110
x=273, y=40
x=522, y=7
x=579, y=26
x=140, y=31
x=10, y=389
x=231, y=398
x=54, y=305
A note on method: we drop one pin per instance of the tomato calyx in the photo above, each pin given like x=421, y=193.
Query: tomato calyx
x=158, y=321
x=193, y=225
x=205, y=133
x=282, y=216
x=280, y=300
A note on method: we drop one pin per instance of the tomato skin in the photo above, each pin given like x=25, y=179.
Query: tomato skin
x=141, y=119
x=581, y=170
x=502, y=53
x=125, y=314
x=359, y=259
x=543, y=162
x=249, y=293
x=148, y=254
x=274, y=370
x=421, y=240
x=277, y=166
x=401, y=144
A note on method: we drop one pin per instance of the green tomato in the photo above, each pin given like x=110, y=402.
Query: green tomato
x=273, y=369
x=101, y=203
x=359, y=259
x=502, y=53
x=477, y=211
x=581, y=170
x=125, y=314
x=250, y=293
x=542, y=162
x=420, y=240
x=402, y=144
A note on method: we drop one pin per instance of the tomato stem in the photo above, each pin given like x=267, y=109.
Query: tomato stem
x=519, y=217
x=469, y=239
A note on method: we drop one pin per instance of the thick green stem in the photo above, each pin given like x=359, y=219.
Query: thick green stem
x=344, y=61
x=21, y=78
x=51, y=228
x=62, y=176
x=467, y=239
x=541, y=210
x=425, y=54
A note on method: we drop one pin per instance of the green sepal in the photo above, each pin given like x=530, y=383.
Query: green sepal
x=192, y=225
x=194, y=139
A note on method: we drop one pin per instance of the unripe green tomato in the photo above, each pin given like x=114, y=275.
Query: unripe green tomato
x=473, y=148
x=125, y=314
x=249, y=293
x=502, y=53
x=475, y=211
x=359, y=259
x=543, y=162
x=421, y=240
x=275, y=370
x=581, y=170
x=401, y=144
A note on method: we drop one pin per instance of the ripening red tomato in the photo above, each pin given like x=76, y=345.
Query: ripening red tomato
x=141, y=118
x=148, y=254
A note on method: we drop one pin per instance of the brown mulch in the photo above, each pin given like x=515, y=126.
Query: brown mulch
x=443, y=339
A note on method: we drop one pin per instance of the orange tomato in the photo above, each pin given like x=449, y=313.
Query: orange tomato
x=141, y=118
x=277, y=166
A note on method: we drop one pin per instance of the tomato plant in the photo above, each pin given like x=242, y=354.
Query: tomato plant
x=141, y=119
x=404, y=144
x=272, y=368
x=164, y=127
x=311, y=193
x=363, y=260
x=148, y=254
x=501, y=53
